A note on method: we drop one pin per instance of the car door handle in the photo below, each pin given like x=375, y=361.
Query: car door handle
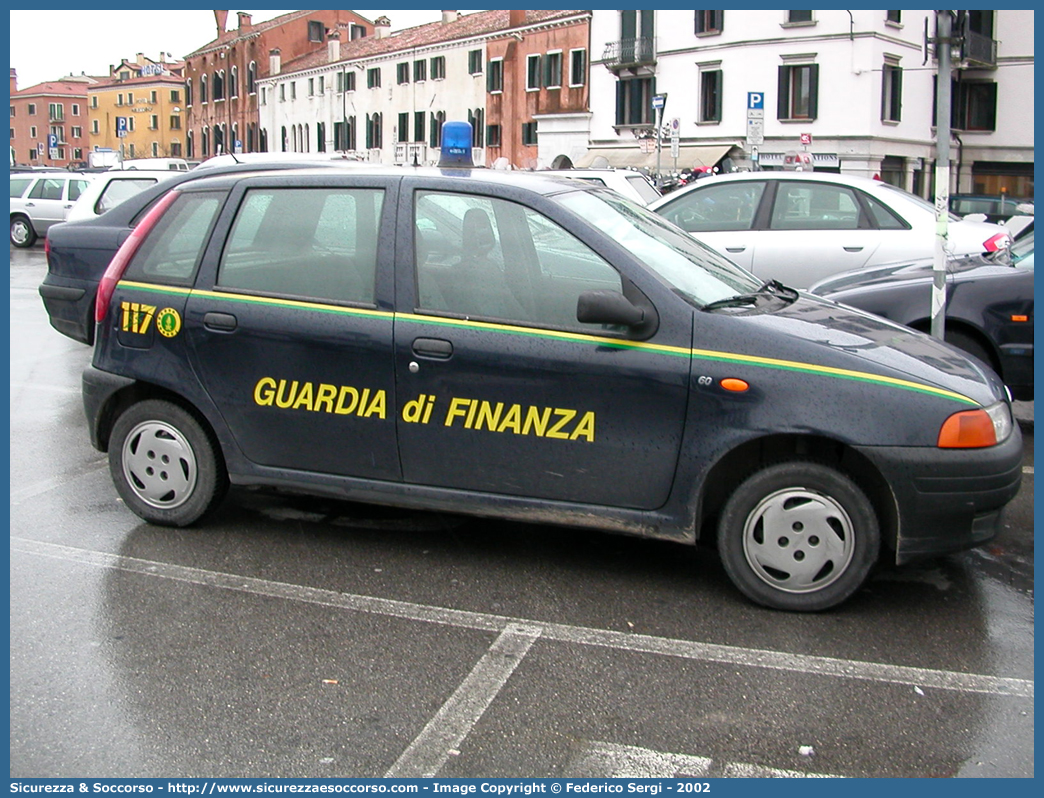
x=433, y=348
x=853, y=249
x=220, y=322
x=735, y=249
x=30, y=204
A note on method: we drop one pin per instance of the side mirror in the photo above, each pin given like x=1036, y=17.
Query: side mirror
x=607, y=307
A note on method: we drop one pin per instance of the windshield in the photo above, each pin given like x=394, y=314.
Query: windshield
x=696, y=272
x=921, y=201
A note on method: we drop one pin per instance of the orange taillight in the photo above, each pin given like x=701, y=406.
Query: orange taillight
x=969, y=429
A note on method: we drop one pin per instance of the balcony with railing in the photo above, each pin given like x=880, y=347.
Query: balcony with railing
x=629, y=53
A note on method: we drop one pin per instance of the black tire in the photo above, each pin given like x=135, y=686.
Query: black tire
x=23, y=235
x=966, y=343
x=798, y=536
x=165, y=466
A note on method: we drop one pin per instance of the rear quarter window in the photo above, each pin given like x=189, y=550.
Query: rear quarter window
x=19, y=186
x=119, y=190
x=172, y=250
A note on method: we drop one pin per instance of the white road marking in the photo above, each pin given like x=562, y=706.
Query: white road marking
x=49, y=484
x=1027, y=469
x=600, y=760
x=565, y=633
x=454, y=720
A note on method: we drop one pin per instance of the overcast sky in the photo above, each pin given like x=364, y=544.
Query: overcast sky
x=46, y=45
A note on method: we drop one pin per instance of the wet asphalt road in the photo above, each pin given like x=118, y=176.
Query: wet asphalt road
x=298, y=637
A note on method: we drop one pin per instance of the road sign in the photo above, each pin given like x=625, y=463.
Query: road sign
x=755, y=101
x=755, y=132
x=121, y=126
x=659, y=101
x=806, y=138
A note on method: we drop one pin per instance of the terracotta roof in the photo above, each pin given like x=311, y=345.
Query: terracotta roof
x=55, y=87
x=466, y=26
x=255, y=28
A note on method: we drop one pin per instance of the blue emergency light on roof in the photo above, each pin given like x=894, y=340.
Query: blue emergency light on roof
x=456, y=145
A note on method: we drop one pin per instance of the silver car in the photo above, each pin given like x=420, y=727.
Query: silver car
x=41, y=200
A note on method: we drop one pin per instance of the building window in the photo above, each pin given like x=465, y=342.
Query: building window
x=282, y=92
x=347, y=82
x=894, y=17
x=438, y=67
x=373, y=78
x=32, y=109
x=322, y=84
x=493, y=135
x=529, y=133
x=311, y=87
x=374, y=132
x=175, y=122
x=418, y=126
x=474, y=62
x=891, y=93
x=798, y=91
x=76, y=132
x=435, y=130
x=577, y=67
x=155, y=149
x=55, y=112
x=533, y=72
x=315, y=30
x=420, y=70
x=32, y=131
x=202, y=89
x=477, y=118
x=152, y=97
x=553, y=70
x=634, y=101
x=77, y=154
x=219, y=85
x=75, y=109
x=175, y=149
x=402, y=73
x=402, y=132
x=320, y=136
x=188, y=93
x=119, y=101
x=708, y=22
x=125, y=75
x=175, y=96
x=252, y=77
x=293, y=90
x=94, y=127
x=710, y=95
x=190, y=150
x=799, y=18
x=975, y=106
x=494, y=76
x=154, y=122
x=233, y=82
x=94, y=102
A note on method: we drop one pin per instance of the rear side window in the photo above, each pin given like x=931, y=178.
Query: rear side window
x=883, y=217
x=19, y=186
x=76, y=188
x=647, y=192
x=815, y=206
x=173, y=248
x=315, y=243
x=48, y=188
x=119, y=190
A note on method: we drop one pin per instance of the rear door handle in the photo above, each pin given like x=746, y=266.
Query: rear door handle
x=853, y=249
x=735, y=249
x=220, y=322
x=436, y=348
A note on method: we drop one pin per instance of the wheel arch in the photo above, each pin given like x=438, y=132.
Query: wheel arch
x=966, y=328
x=753, y=455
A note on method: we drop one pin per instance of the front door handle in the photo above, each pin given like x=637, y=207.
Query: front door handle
x=436, y=348
x=220, y=322
x=735, y=249
x=853, y=249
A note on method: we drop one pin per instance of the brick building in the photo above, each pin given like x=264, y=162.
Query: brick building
x=221, y=76
x=57, y=108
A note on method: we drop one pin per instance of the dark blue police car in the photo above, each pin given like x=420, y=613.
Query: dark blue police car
x=527, y=347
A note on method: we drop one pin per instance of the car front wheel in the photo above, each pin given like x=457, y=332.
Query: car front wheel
x=798, y=536
x=22, y=233
x=165, y=466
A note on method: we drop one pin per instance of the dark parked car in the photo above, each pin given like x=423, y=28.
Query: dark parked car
x=512, y=345
x=989, y=306
x=995, y=208
x=79, y=251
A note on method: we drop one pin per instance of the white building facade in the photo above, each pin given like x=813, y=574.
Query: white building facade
x=851, y=88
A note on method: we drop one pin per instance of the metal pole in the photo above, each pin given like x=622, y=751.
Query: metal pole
x=942, y=172
x=659, y=145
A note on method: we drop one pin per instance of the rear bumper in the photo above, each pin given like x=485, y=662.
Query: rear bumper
x=98, y=388
x=948, y=499
x=70, y=307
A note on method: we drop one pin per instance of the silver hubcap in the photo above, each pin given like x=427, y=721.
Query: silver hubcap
x=159, y=464
x=798, y=541
x=20, y=232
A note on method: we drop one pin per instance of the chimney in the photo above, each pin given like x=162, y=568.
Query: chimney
x=14, y=80
x=274, y=64
x=449, y=16
x=333, y=46
x=221, y=17
x=516, y=19
x=381, y=27
x=245, y=21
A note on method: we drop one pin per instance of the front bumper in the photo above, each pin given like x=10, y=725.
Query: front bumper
x=948, y=500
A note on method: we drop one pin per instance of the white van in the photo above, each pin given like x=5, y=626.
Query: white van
x=167, y=164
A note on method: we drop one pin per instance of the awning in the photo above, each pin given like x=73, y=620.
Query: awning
x=690, y=156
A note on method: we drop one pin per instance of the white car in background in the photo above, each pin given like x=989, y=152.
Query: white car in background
x=626, y=182
x=109, y=189
x=40, y=200
x=799, y=227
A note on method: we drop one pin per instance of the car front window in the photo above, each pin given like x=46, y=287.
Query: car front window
x=695, y=271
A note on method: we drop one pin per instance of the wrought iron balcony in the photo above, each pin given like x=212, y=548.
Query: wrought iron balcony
x=979, y=50
x=629, y=53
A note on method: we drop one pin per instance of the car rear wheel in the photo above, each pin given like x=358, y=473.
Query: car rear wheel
x=798, y=536
x=165, y=466
x=22, y=233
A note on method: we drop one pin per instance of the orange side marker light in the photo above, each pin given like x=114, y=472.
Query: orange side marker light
x=734, y=384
